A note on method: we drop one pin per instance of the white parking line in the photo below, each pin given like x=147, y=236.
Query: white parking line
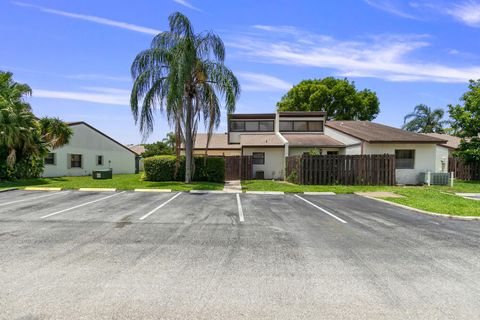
x=82, y=205
x=240, y=210
x=33, y=198
x=160, y=206
x=321, y=209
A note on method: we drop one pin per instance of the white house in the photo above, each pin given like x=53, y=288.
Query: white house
x=269, y=138
x=88, y=150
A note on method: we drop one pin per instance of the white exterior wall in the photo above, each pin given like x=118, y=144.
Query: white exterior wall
x=293, y=151
x=441, y=159
x=89, y=144
x=425, y=159
x=274, y=161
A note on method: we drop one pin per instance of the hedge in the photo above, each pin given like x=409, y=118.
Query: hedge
x=162, y=168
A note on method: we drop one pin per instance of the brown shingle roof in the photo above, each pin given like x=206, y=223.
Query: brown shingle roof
x=137, y=148
x=452, y=141
x=379, y=133
x=250, y=140
x=312, y=140
x=217, y=141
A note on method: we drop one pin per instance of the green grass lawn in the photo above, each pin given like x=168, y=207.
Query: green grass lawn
x=433, y=199
x=119, y=181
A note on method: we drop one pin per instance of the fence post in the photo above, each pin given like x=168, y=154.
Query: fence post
x=451, y=178
x=429, y=176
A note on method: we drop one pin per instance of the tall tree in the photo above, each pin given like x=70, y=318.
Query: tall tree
x=466, y=122
x=21, y=133
x=425, y=120
x=183, y=74
x=338, y=97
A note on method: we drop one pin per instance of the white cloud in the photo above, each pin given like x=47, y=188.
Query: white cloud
x=112, y=96
x=187, y=4
x=392, y=7
x=387, y=57
x=94, y=19
x=467, y=12
x=262, y=82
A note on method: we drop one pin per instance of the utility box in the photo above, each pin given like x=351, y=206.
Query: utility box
x=259, y=175
x=102, y=174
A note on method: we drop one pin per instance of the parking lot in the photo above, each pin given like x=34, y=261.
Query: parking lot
x=145, y=255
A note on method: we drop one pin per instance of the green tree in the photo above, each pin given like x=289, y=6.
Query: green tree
x=23, y=137
x=338, y=97
x=425, y=120
x=170, y=140
x=183, y=74
x=158, y=148
x=466, y=122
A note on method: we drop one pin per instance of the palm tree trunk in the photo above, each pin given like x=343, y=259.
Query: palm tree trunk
x=188, y=144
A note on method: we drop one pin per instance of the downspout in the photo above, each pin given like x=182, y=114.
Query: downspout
x=285, y=143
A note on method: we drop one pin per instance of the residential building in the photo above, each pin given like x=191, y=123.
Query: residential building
x=271, y=137
x=88, y=150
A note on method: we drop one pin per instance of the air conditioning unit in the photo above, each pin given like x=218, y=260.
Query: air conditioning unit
x=259, y=175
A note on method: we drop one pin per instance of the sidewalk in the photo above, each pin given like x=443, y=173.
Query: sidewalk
x=233, y=186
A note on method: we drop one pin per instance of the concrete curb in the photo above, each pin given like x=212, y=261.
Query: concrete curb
x=8, y=189
x=435, y=214
x=207, y=191
x=98, y=189
x=265, y=192
x=320, y=193
x=153, y=190
x=42, y=189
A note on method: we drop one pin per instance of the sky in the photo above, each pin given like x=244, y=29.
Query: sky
x=76, y=55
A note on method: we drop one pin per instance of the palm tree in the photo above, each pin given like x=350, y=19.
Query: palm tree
x=183, y=74
x=20, y=131
x=425, y=120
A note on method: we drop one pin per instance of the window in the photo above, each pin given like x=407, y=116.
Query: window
x=258, y=157
x=315, y=126
x=251, y=126
x=237, y=126
x=286, y=126
x=99, y=160
x=405, y=159
x=49, y=159
x=75, y=161
x=266, y=126
x=301, y=126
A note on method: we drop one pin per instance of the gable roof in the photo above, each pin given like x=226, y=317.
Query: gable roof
x=379, y=133
x=452, y=141
x=103, y=134
x=218, y=141
x=137, y=148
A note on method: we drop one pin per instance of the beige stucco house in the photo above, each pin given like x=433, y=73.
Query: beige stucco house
x=271, y=137
x=89, y=149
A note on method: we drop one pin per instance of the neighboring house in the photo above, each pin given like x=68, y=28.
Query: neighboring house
x=88, y=150
x=452, y=141
x=137, y=148
x=269, y=138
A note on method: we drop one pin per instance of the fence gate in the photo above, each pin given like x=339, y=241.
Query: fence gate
x=238, y=168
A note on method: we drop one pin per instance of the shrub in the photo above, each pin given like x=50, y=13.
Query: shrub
x=162, y=168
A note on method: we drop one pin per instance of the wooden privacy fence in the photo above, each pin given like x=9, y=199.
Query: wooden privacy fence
x=344, y=170
x=238, y=168
x=462, y=170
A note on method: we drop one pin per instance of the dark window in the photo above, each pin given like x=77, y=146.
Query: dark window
x=266, y=126
x=99, y=160
x=251, y=126
x=50, y=159
x=300, y=126
x=258, y=157
x=286, y=126
x=75, y=161
x=332, y=152
x=315, y=126
x=405, y=159
x=236, y=126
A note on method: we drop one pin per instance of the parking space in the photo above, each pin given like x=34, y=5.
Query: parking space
x=225, y=256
